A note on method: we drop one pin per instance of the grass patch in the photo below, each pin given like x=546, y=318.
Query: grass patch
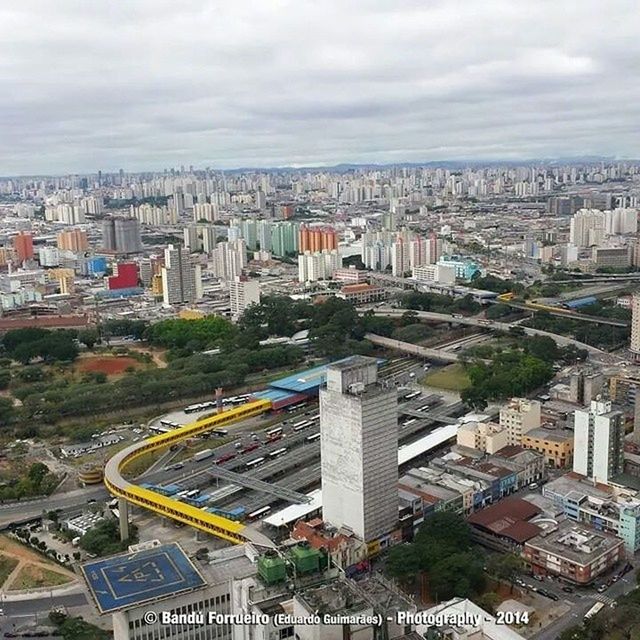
x=451, y=378
x=7, y=565
x=32, y=576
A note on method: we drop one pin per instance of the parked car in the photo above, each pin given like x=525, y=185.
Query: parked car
x=601, y=588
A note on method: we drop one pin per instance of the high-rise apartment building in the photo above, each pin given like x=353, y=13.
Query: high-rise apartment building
x=23, y=246
x=49, y=257
x=260, y=199
x=284, y=238
x=242, y=294
x=229, y=259
x=316, y=239
x=598, y=441
x=199, y=237
x=121, y=235
x=400, y=262
x=74, y=240
x=635, y=326
x=518, y=417
x=263, y=233
x=181, y=279
x=587, y=228
x=359, y=449
x=318, y=266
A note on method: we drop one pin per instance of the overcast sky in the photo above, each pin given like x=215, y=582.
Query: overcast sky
x=149, y=84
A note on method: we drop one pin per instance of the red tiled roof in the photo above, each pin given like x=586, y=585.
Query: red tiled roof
x=504, y=515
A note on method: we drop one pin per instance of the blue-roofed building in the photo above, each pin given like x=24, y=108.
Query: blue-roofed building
x=132, y=579
x=136, y=588
x=297, y=387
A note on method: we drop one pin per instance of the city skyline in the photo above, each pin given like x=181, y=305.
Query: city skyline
x=146, y=86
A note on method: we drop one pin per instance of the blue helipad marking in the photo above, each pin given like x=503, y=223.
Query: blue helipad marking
x=130, y=579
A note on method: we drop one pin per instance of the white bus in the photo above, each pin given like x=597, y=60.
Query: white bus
x=299, y=426
x=256, y=462
x=312, y=438
x=273, y=434
x=193, y=408
x=258, y=514
x=278, y=452
x=592, y=612
x=159, y=429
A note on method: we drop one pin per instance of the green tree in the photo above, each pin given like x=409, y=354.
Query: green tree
x=7, y=411
x=88, y=337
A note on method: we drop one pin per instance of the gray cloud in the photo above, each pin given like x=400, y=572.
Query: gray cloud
x=151, y=83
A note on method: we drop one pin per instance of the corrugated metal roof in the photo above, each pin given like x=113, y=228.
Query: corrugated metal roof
x=275, y=395
x=309, y=380
x=431, y=441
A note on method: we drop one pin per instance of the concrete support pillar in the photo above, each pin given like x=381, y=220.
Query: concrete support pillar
x=123, y=509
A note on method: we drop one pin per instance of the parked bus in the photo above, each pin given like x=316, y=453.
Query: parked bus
x=225, y=458
x=301, y=425
x=412, y=394
x=193, y=408
x=278, y=452
x=272, y=434
x=313, y=437
x=410, y=421
x=160, y=429
x=220, y=432
x=193, y=493
x=260, y=513
x=256, y=462
x=167, y=423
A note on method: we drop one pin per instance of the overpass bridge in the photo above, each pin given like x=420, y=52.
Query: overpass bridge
x=130, y=493
x=413, y=349
x=563, y=341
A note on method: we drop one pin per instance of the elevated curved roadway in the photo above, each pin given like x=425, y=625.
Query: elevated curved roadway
x=175, y=510
x=487, y=324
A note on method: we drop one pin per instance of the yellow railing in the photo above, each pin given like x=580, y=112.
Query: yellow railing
x=179, y=511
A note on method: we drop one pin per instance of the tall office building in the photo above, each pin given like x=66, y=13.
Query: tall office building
x=23, y=246
x=242, y=294
x=359, y=449
x=181, y=279
x=518, y=417
x=121, y=235
x=635, y=326
x=598, y=441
